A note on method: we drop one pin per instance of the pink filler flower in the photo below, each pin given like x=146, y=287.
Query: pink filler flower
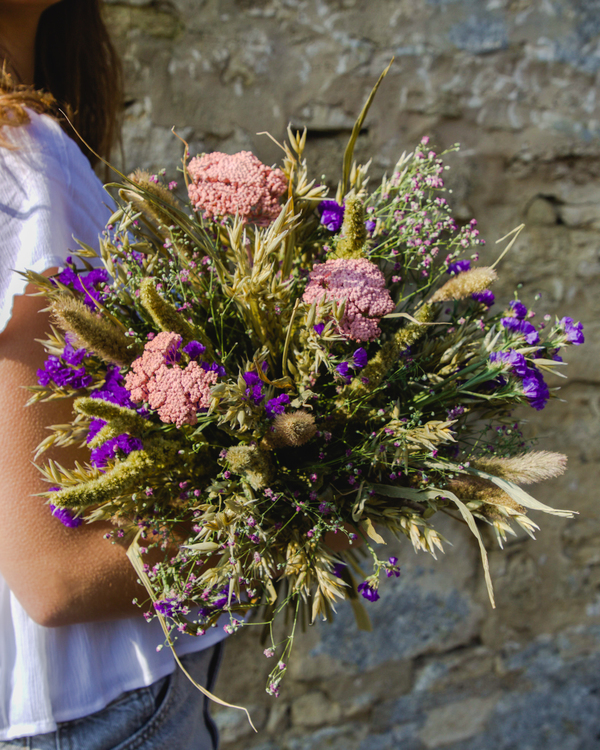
x=177, y=394
x=236, y=184
x=362, y=285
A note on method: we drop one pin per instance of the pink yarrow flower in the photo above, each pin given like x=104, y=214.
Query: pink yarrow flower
x=224, y=184
x=175, y=393
x=362, y=285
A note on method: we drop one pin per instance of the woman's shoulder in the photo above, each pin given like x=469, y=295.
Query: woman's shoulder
x=42, y=166
x=41, y=145
x=49, y=195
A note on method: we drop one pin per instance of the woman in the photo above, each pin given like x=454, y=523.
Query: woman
x=78, y=664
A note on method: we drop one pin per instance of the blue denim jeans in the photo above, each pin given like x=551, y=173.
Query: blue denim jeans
x=171, y=713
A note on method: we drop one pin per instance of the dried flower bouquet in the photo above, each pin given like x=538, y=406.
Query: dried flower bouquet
x=266, y=367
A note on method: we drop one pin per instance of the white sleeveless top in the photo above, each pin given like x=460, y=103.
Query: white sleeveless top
x=48, y=195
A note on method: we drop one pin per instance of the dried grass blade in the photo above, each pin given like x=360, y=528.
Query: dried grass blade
x=431, y=494
x=135, y=557
x=349, y=153
x=470, y=521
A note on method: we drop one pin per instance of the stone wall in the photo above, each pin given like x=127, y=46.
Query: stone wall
x=516, y=83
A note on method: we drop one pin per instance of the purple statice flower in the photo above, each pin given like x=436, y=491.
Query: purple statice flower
x=573, y=331
x=72, y=356
x=113, y=390
x=65, y=516
x=485, y=298
x=85, y=283
x=360, y=358
x=319, y=328
x=100, y=456
x=370, y=225
x=254, y=389
x=358, y=361
x=277, y=405
x=338, y=569
x=515, y=361
x=332, y=215
x=518, y=309
x=95, y=426
x=221, y=602
x=393, y=570
x=343, y=370
x=169, y=606
x=458, y=267
x=214, y=367
x=522, y=327
x=535, y=389
x=194, y=349
x=62, y=374
x=369, y=590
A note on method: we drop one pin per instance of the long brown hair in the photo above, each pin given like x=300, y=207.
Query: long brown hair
x=76, y=70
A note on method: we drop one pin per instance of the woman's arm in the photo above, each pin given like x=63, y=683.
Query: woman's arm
x=61, y=576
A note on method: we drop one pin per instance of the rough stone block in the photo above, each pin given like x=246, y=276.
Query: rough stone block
x=314, y=709
x=456, y=722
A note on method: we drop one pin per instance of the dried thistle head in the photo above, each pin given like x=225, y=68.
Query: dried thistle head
x=525, y=468
x=465, y=284
x=291, y=430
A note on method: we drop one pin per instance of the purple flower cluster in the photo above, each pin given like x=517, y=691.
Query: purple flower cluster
x=254, y=390
x=219, y=603
x=518, y=308
x=113, y=390
x=109, y=450
x=194, y=349
x=535, y=389
x=459, y=266
x=169, y=606
x=573, y=331
x=85, y=283
x=65, y=516
x=214, y=367
x=485, y=298
x=277, y=405
x=358, y=361
x=368, y=589
x=332, y=215
x=392, y=569
x=65, y=370
x=517, y=323
x=513, y=360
